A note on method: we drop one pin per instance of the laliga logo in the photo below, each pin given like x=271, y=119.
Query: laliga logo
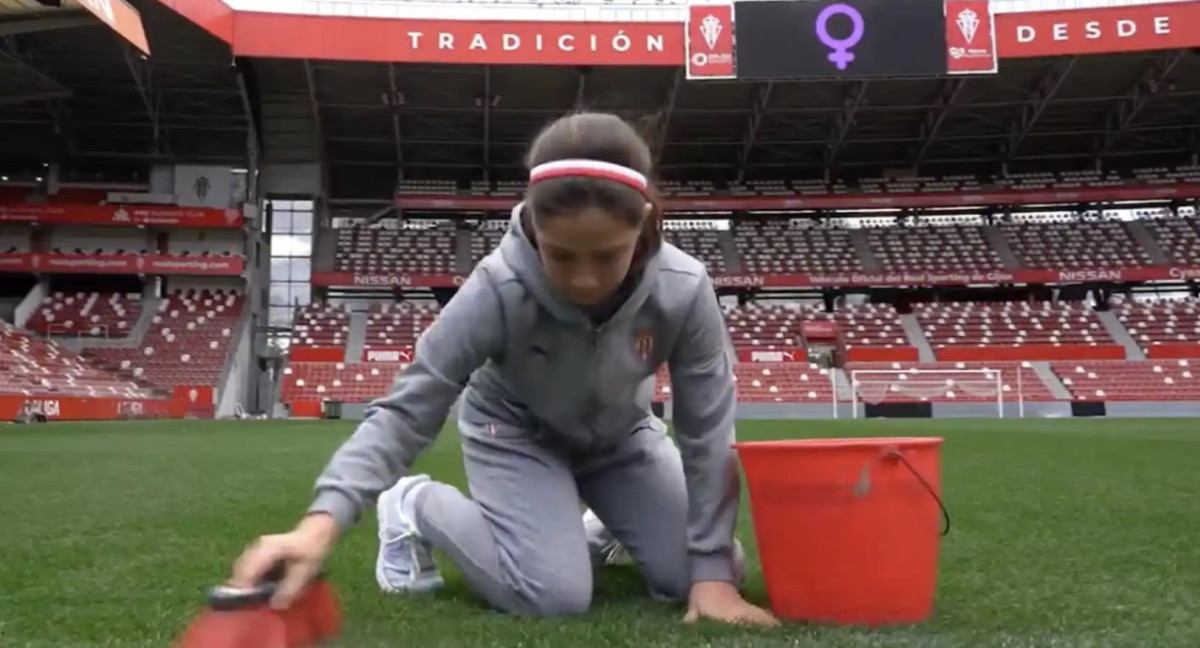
x=841, y=55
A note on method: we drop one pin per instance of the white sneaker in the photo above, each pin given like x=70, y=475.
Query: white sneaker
x=605, y=549
x=405, y=562
x=602, y=545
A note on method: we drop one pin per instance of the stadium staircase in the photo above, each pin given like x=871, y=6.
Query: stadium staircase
x=1121, y=335
x=862, y=246
x=729, y=250
x=463, y=254
x=912, y=328
x=357, y=337
x=1000, y=244
x=1051, y=380
x=324, y=250
x=1143, y=236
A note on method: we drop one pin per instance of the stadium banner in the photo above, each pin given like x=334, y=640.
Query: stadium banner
x=78, y=408
x=1120, y=28
x=121, y=215
x=1099, y=30
x=299, y=353
x=846, y=201
x=869, y=279
x=387, y=354
x=155, y=264
x=785, y=39
x=834, y=280
x=970, y=37
x=709, y=42
x=490, y=42
x=121, y=18
x=365, y=280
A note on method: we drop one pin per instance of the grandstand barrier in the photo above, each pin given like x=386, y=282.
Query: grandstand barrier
x=1030, y=352
x=199, y=401
x=317, y=353
x=308, y=409
x=883, y=354
x=1169, y=351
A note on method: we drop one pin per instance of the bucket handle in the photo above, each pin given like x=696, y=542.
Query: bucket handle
x=892, y=453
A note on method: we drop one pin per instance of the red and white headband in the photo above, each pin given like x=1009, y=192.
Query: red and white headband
x=591, y=169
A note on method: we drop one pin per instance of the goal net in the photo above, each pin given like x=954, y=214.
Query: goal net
x=874, y=386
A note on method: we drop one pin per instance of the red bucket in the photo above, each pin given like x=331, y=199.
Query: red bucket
x=848, y=529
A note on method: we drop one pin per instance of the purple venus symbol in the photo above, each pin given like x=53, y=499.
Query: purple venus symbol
x=841, y=55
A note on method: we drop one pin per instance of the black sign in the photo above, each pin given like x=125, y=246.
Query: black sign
x=797, y=39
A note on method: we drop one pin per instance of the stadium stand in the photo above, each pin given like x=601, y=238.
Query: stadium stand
x=776, y=246
x=933, y=249
x=770, y=382
x=351, y=383
x=1161, y=323
x=1078, y=244
x=32, y=366
x=484, y=240
x=397, y=325
x=781, y=382
x=188, y=343
x=383, y=251
x=100, y=315
x=1130, y=380
x=1179, y=238
x=867, y=325
x=778, y=326
x=321, y=324
x=1010, y=324
x=704, y=244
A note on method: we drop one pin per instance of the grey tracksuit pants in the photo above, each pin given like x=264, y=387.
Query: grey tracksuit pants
x=520, y=540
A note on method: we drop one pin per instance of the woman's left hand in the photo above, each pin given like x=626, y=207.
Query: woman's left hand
x=720, y=601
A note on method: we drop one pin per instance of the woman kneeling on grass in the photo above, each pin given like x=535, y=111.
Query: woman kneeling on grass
x=553, y=342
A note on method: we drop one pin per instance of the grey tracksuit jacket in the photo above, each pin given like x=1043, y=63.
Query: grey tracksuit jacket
x=522, y=356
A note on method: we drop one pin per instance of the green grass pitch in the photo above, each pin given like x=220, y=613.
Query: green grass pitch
x=1067, y=533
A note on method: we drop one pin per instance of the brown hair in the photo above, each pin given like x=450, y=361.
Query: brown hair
x=606, y=138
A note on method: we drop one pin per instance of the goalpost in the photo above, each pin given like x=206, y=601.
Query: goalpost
x=874, y=386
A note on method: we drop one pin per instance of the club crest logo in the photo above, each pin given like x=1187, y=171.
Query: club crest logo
x=968, y=24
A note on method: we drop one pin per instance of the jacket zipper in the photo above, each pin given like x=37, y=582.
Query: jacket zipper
x=593, y=406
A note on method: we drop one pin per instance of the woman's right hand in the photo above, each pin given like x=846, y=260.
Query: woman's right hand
x=301, y=550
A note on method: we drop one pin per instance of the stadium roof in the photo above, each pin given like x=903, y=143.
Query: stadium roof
x=71, y=91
